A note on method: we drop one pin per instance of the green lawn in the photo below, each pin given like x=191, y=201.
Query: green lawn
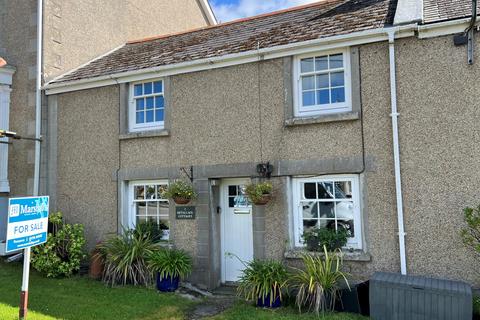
x=81, y=298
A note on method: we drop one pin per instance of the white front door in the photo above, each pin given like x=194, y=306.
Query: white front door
x=237, y=229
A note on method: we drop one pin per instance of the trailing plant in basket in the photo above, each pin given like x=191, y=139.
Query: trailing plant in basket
x=263, y=281
x=317, y=238
x=259, y=193
x=64, y=250
x=318, y=282
x=125, y=257
x=180, y=190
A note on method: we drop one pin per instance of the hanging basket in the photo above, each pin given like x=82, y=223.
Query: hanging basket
x=180, y=200
x=263, y=200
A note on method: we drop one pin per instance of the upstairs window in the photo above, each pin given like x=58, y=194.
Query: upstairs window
x=322, y=83
x=147, y=106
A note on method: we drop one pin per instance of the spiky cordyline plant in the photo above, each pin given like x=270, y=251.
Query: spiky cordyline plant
x=125, y=258
x=261, y=279
x=170, y=263
x=318, y=285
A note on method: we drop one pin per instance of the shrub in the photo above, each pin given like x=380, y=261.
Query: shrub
x=318, y=284
x=471, y=234
x=180, y=189
x=257, y=191
x=170, y=263
x=64, y=250
x=332, y=239
x=262, y=279
x=125, y=257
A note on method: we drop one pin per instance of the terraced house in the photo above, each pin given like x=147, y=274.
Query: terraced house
x=363, y=114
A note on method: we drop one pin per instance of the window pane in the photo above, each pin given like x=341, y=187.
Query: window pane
x=325, y=190
x=147, y=88
x=159, y=102
x=345, y=216
x=306, y=65
x=163, y=209
x=322, y=81
x=149, y=116
x=141, y=219
x=158, y=114
x=149, y=103
x=160, y=189
x=337, y=79
x=327, y=223
x=165, y=227
x=336, y=61
x=150, y=192
x=308, y=83
x=309, y=190
x=140, y=117
x=338, y=95
x=310, y=210
x=308, y=98
x=152, y=210
x=139, y=192
x=157, y=87
x=309, y=224
x=343, y=189
x=138, y=90
x=140, y=208
x=321, y=63
x=232, y=190
x=323, y=96
x=327, y=209
x=140, y=103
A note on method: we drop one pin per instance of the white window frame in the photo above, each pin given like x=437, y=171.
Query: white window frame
x=131, y=201
x=133, y=126
x=315, y=110
x=353, y=243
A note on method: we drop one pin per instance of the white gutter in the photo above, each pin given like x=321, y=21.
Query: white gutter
x=356, y=38
x=396, y=151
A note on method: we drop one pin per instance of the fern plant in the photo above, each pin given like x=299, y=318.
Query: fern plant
x=318, y=284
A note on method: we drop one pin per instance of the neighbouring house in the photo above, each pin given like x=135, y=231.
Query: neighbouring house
x=74, y=32
x=367, y=112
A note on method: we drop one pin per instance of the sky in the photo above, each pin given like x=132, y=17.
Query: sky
x=227, y=10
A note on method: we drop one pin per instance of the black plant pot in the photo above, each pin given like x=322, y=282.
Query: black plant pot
x=266, y=303
x=167, y=284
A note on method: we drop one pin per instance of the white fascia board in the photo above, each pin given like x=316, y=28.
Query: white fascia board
x=408, y=11
x=443, y=28
x=207, y=9
x=357, y=38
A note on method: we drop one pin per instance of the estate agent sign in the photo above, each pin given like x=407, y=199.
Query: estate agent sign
x=185, y=213
x=27, y=222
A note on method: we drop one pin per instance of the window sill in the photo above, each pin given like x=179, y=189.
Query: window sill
x=324, y=118
x=145, y=134
x=355, y=255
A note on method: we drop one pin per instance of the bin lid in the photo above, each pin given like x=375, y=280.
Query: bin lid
x=421, y=282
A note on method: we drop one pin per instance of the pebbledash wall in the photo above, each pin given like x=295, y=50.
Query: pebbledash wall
x=225, y=121
x=74, y=32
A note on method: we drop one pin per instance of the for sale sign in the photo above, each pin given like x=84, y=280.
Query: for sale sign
x=27, y=222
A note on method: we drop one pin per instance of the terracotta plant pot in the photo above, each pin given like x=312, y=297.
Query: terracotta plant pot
x=179, y=200
x=263, y=200
x=96, y=265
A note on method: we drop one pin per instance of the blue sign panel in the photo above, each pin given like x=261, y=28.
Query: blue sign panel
x=27, y=222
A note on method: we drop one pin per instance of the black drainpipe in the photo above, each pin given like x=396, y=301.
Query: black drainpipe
x=468, y=36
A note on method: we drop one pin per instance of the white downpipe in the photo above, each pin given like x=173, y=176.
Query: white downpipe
x=396, y=151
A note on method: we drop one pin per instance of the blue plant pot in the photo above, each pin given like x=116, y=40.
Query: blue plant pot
x=167, y=284
x=265, y=303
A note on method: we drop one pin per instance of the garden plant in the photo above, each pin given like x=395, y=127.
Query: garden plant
x=170, y=265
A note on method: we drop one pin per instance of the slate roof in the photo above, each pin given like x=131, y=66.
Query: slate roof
x=442, y=10
x=319, y=20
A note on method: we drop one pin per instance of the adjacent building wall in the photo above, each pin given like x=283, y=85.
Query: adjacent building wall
x=74, y=33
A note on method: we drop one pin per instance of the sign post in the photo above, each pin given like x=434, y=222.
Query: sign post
x=27, y=227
